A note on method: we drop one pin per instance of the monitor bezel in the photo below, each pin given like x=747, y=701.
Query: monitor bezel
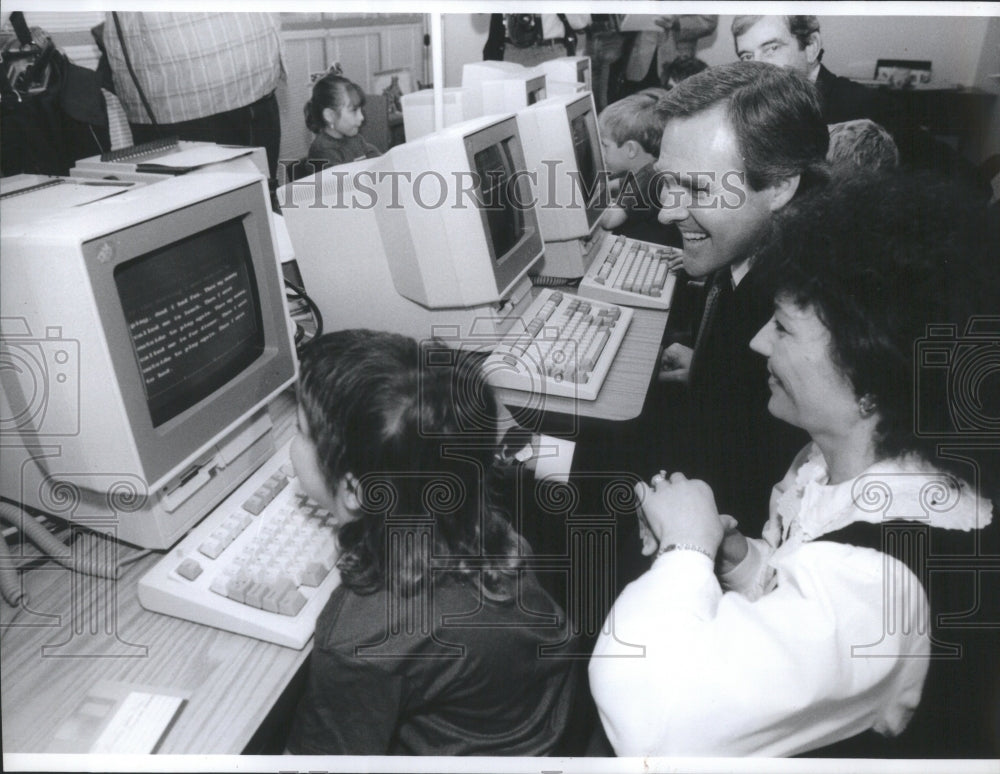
x=576, y=107
x=162, y=448
x=509, y=268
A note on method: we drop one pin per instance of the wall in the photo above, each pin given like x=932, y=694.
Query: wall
x=965, y=50
x=988, y=78
x=852, y=44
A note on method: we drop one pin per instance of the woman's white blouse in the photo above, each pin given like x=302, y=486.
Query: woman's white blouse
x=812, y=642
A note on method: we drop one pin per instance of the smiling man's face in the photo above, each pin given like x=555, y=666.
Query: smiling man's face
x=704, y=191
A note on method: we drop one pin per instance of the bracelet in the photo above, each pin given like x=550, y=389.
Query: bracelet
x=684, y=547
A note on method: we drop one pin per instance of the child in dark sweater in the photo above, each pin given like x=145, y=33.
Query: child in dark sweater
x=439, y=640
x=334, y=114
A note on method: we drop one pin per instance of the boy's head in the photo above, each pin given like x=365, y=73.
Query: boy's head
x=862, y=144
x=373, y=405
x=631, y=129
x=680, y=68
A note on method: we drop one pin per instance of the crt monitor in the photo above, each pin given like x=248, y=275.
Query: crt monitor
x=142, y=338
x=491, y=70
x=439, y=231
x=563, y=151
x=566, y=70
x=499, y=87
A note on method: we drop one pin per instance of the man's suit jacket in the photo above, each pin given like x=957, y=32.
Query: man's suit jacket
x=738, y=447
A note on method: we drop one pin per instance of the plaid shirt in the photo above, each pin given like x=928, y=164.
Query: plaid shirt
x=192, y=65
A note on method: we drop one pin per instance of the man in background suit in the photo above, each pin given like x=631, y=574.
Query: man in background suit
x=794, y=42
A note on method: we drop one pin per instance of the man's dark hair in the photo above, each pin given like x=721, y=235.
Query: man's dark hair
x=775, y=114
x=680, y=68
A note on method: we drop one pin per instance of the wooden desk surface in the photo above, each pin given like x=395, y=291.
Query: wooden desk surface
x=84, y=636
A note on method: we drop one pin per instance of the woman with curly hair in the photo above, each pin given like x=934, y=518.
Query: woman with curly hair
x=864, y=620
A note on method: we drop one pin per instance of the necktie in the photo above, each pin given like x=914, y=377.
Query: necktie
x=722, y=283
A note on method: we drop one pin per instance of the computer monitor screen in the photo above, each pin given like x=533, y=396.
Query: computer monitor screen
x=495, y=168
x=193, y=316
x=585, y=150
x=563, y=150
x=155, y=327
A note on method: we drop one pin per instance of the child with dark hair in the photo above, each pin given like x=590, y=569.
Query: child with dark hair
x=439, y=640
x=334, y=114
x=682, y=67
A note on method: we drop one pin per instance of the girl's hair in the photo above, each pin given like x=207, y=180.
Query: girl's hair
x=330, y=91
x=415, y=425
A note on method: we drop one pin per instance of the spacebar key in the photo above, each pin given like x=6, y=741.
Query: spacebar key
x=595, y=349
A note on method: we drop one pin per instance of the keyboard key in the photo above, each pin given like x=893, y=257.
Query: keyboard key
x=291, y=603
x=255, y=504
x=189, y=569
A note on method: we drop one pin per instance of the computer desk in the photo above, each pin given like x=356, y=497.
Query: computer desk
x=84, y=638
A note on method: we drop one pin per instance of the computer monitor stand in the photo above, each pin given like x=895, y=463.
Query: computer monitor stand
x=569, y=259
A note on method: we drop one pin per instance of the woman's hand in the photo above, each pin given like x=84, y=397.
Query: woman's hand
x=733, y=548
x=680, y=511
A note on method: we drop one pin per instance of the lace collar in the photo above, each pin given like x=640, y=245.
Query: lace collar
x=905, y=488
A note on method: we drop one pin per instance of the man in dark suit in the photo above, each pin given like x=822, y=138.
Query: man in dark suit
x=794, y=42
x=740, y=142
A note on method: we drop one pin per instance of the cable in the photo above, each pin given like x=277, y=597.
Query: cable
x=317, y=316
x=10, y=586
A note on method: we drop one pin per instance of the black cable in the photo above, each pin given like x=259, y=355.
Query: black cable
x=131, y=71
x=313, y=309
